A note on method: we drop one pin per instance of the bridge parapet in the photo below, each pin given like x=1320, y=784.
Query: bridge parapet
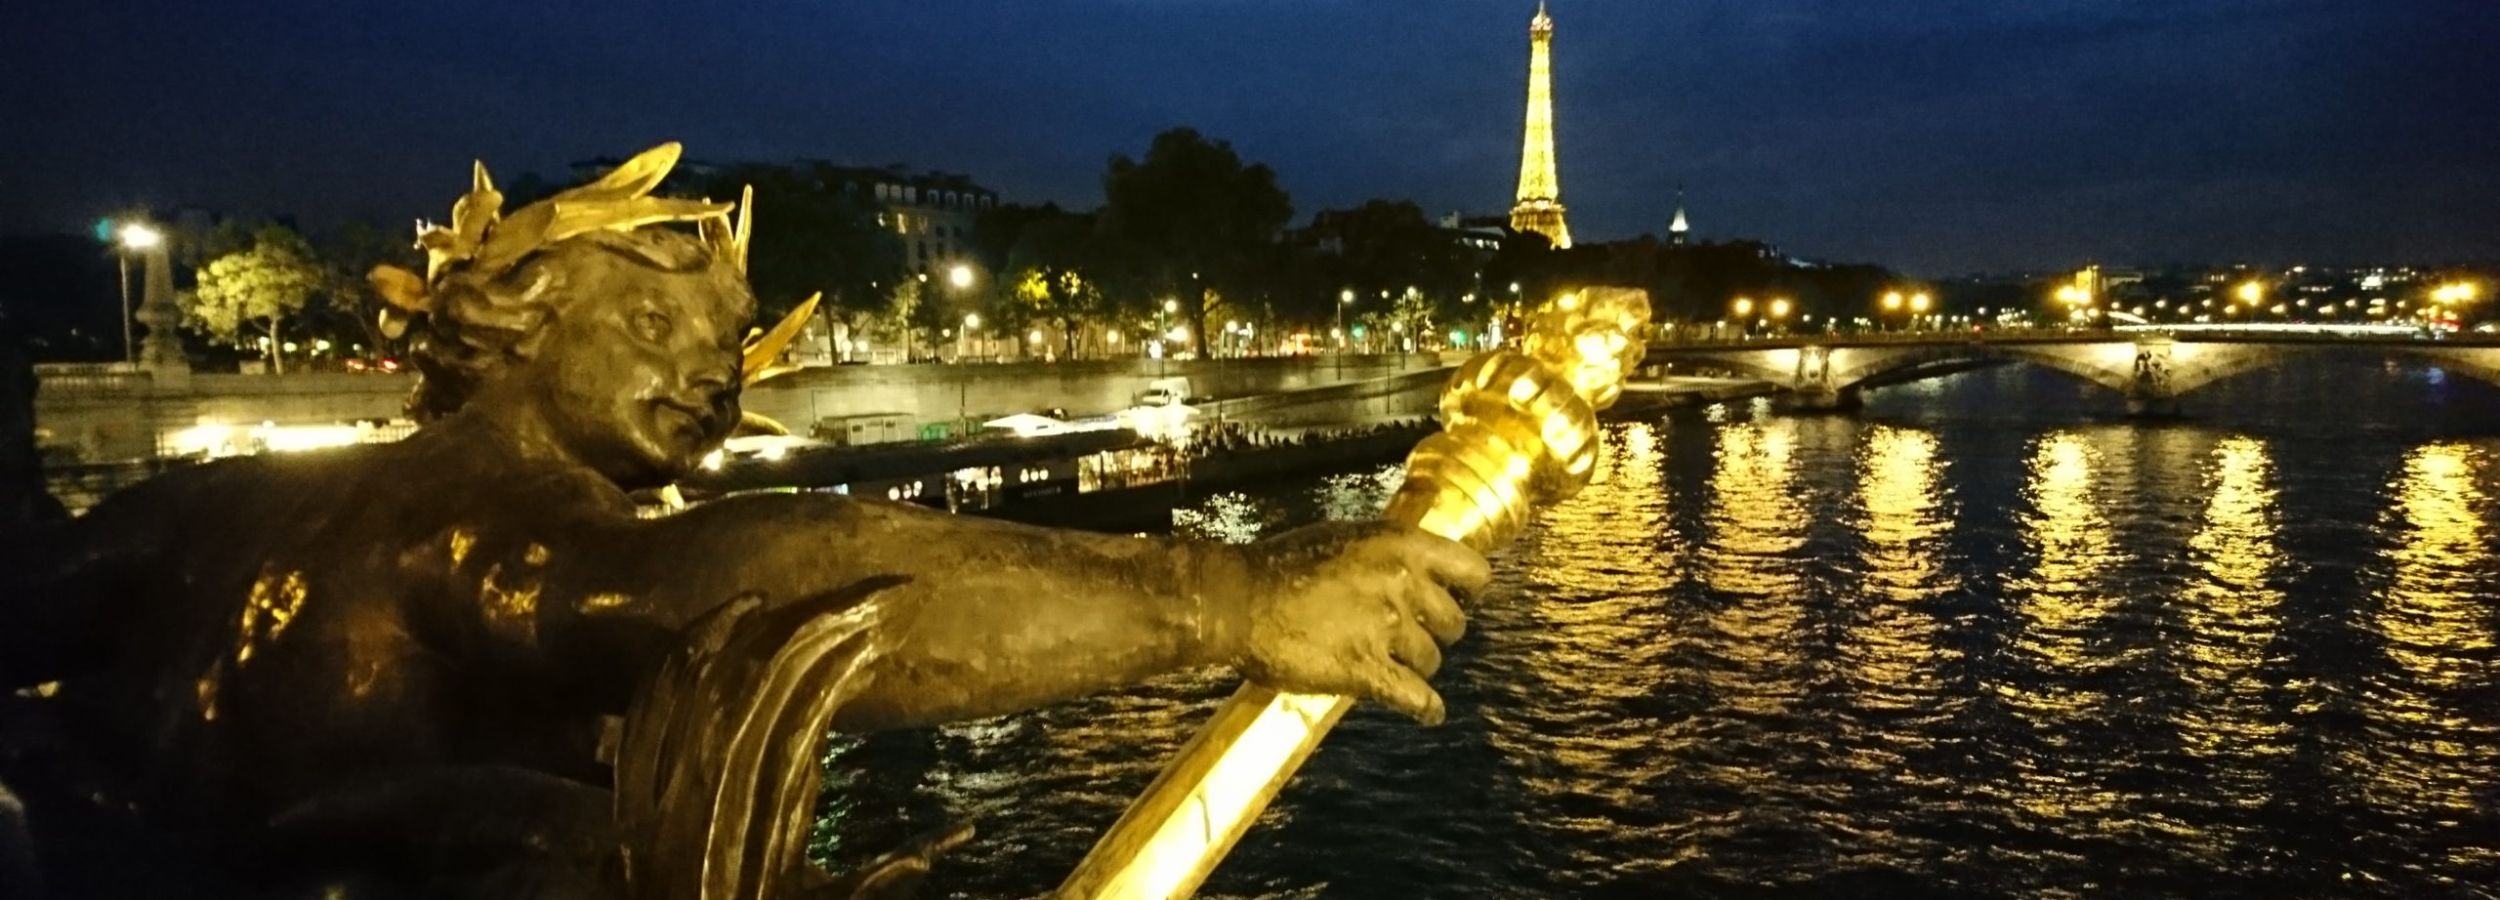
x=2151, y=370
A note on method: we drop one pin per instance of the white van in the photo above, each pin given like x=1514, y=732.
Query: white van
x=1164, y=392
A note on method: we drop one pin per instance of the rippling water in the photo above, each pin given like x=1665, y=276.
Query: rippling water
x=1984, y=638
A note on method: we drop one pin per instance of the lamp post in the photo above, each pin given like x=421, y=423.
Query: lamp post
x=1892, y=304
x=1743, y=308
x=1345, y=298
x=1918, y=305
x=1779, y=312
x=132, y=237
x=1163, y=332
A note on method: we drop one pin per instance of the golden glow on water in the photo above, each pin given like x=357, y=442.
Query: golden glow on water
x=2234, y=722
x=2230, y=610
x=2431, y=754
x=1583, y=548
x=2060, y=609
x=1899, y=488
x=1754, y=517
x=2062, y=601
x=1890, y=643
x=1586, y=624
x=1755, y=524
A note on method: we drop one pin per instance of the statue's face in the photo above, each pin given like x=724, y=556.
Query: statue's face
x=639, y=368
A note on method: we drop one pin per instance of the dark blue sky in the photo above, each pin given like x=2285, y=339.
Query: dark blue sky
x=1936, y=135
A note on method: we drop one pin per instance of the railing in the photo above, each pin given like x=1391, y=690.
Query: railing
x=1667, y=342
x=93, y=378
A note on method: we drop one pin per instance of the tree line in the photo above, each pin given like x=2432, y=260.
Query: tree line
x=1189, y=240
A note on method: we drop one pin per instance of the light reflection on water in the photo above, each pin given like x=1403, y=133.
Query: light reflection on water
x=2432, y=753
x=1923, y=651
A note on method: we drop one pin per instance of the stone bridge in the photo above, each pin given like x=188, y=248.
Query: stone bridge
x=2151, y=370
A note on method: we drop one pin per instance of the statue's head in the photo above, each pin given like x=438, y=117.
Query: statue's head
x=591, y=316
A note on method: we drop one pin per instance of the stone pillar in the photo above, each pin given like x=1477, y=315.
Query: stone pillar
x=160, y=353
x=2149, y=389
x=1812, y=382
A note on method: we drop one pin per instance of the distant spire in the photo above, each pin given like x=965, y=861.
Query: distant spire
x=1679, y=229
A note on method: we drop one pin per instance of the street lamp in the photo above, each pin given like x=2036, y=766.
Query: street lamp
x=1345, y=298
x=972, y=322
x=2251, y=293
x=133, y=237
x=1919, y=302
x=960, y=276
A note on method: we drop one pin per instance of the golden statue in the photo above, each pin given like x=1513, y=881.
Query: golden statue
x=390, y=670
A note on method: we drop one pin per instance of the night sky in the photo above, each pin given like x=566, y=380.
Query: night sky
x=1940, y=136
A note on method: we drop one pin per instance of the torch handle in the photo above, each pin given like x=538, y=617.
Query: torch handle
x=1519, y=427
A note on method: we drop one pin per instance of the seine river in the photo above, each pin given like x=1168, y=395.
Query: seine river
x=1984, y=638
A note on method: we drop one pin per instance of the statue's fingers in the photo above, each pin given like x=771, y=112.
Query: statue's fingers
x=940, y=840
x=898, y=880
x=1448, y=562
x=1403, y=690
x=1412, y=645
x=1436, y=611
x=899, y=872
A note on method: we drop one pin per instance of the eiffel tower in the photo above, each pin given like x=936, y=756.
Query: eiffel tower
x=1540, y=206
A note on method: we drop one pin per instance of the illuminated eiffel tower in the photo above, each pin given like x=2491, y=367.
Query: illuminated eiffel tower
x=1540, y=206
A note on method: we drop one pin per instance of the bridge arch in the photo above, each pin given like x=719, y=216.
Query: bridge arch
x=2151, y=371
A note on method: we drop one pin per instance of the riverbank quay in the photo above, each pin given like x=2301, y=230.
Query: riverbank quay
x=1644, y=398
x=1119, y=480
x=1114, y=480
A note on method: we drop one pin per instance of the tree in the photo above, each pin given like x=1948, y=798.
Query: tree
x=1050, y=268
x=256, y=287
x=350, y=311
x=1390, y=248
x=813, y=232
x=1195, y=217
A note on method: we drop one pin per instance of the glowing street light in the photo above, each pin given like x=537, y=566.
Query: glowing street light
x=133, y=237
x=2251, y=293
x=1779, y=308
x=136, y=236
x=960, y=276
x=1345, y=298
x=1892, y=301
x=1743, y=306
x=1919, y=303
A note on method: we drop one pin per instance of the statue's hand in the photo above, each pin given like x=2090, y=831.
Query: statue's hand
x=1357, y=608
x=897, y=874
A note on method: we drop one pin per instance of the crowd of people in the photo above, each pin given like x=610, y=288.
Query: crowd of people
x=1237, y=437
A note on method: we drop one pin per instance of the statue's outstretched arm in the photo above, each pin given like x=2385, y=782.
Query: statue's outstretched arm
x=999, y=617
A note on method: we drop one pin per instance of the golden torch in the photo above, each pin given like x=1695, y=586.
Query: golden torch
x=1519, y=427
